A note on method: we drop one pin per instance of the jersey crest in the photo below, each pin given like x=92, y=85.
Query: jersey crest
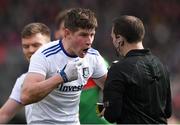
x=85, y=72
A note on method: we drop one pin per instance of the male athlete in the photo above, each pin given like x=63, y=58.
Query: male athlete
x=33, y=36
x=88, y=110
x=59, y=70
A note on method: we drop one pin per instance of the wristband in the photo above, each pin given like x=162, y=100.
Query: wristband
x=64, y=76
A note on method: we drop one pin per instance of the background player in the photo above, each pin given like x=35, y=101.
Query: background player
x=56, y=63
x=33, y=36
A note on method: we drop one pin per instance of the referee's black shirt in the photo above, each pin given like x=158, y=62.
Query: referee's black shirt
x=137, y=90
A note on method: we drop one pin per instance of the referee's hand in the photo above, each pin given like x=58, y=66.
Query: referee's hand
x=101, y=114
x=100, y=109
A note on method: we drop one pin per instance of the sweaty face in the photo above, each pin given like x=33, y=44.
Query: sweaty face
x=81, y=41
x=32, y=43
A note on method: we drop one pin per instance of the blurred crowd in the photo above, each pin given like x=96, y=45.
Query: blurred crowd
x=161, y=19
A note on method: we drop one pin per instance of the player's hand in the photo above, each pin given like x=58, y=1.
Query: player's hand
x=70, y=71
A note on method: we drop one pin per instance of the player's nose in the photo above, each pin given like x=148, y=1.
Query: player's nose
x=32, y=49
x=89, y=40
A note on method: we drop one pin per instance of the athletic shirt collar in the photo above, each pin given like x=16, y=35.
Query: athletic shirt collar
x=67, y=54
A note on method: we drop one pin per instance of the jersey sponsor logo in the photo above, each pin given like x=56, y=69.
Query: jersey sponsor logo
x=85, y=72
x=70, y=88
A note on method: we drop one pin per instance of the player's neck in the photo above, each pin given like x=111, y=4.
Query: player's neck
x=67, y=47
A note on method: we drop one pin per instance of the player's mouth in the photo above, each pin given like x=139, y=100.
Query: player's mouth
x=85, y=50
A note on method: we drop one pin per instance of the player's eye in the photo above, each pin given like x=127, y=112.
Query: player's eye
x=36, y=45
x=25, y=46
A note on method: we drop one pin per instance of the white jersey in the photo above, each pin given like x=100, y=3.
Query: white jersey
x=61, y=106
x=16, y=93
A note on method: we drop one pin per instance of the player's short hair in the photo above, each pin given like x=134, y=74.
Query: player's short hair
x=34, y=28
x=80, y=18
x=129, y=27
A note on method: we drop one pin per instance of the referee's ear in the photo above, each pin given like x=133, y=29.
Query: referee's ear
x=120, y=40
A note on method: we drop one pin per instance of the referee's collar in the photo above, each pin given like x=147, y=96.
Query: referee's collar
x=138, y=52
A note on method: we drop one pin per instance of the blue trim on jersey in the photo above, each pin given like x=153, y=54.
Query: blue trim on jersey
x=53, y=52
x=93, y=53
x=72, y=56
x=52, y=47
x=92, y=50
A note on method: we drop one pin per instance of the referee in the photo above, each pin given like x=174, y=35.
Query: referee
x=137, y=89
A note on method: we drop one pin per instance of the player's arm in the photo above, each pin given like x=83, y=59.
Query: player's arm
x=36, y=87
x=100, y=81
x=8, y=110
x=13, y=104
x=100, y=71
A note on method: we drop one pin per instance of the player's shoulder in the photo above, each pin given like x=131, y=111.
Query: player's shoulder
x=50, y=48
x=92, y=51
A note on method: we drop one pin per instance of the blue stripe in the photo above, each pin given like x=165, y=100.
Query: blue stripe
x=92, y=50
x=72, y=56
x=92, y=53
x=53, y=52
x=50, y=48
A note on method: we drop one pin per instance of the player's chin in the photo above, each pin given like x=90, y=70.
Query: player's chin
x=28, y=57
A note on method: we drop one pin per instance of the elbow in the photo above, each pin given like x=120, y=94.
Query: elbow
x=28, y=98
x=25, y=99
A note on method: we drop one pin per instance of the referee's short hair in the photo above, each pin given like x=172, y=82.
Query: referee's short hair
x=130, y=27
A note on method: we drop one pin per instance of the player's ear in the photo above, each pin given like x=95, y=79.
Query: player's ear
x=66, y=32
